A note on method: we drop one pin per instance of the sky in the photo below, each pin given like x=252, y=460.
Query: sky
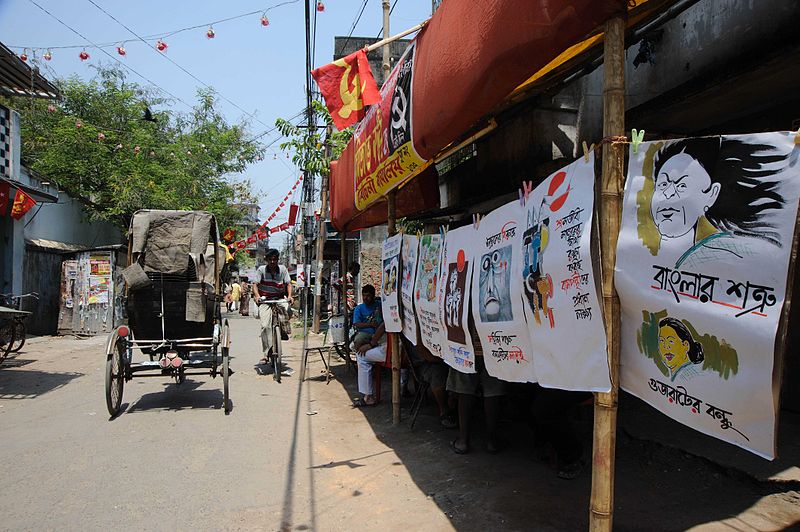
x=258, y=69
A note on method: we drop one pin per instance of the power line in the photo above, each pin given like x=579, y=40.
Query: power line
x=79, y=34
x=355, y=23
x=251, y=115
x=391, y=10
x=166, y=34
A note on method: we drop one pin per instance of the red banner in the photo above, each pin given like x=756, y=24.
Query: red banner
x=384, y=151
x=348, y=88
x=22, y=204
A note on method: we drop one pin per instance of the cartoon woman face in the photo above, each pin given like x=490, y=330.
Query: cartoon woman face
x=674, y=351
x=683, y=192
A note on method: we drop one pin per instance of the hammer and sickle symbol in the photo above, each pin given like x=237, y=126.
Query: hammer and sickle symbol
x=399, y=104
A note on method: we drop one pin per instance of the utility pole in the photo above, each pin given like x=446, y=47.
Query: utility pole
x=308, y=194
x=323, y=215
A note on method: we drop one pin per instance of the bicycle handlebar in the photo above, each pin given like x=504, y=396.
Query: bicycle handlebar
x=263, y=301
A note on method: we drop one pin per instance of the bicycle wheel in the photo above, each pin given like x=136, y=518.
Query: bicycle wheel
x=115, y=374
x=20, y=331
x=276, y=353
x=6, y=338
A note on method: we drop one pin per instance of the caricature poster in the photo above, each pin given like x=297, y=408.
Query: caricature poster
x=390, y=275
x=702, y=261
x=408, y=253
x=560, y=299
x=496, y=295
x=426, y=294
x=454, y=288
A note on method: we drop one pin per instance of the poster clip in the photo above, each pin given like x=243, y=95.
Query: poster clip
x=524, y=192
x=637, y=137
x=586, y=151
x=476, y=220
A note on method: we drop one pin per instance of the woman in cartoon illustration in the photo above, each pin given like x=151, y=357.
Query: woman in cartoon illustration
x=708, y=191
x=678, y=349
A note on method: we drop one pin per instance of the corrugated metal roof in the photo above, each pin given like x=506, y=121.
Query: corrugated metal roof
x=17, y=78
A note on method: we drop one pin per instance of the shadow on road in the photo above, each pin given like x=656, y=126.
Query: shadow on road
x=657, y=487
x=26, y=384
x=178, y=397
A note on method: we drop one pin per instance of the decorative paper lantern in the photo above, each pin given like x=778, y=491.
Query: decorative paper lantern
x=210, y=33
x=264, y=21
x=320, y=7
x=51, y=108
x=121, y=50
x=84, y=55
x=78, y=124
x=101, y=137
x=161, y=46
x=24, y=55
x=48, y=55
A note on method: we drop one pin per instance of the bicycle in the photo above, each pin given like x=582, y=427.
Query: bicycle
x=18, y=322
x=6, y=337
x=275, y=356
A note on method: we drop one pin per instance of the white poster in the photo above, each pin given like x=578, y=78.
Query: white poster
x=702, y=261
x=560, y=297
x=455, y=286
x=408, y=253
x=497, y=295
x=426, y=301
x=390, y=261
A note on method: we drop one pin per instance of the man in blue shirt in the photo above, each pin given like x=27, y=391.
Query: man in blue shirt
x=366, y=317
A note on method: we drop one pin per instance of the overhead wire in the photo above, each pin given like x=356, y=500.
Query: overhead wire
x=355, y=23
x=234, y=104
x=79, y=34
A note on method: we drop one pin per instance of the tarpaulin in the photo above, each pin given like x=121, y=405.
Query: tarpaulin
x=469, y=59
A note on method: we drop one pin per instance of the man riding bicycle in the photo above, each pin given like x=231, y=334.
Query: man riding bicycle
x=272, y=283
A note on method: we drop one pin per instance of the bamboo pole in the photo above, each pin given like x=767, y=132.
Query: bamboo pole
x=601, y=514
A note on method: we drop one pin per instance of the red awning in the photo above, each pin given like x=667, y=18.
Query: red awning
x=469, y=58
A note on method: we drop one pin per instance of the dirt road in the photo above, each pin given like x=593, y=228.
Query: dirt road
x=293, y=457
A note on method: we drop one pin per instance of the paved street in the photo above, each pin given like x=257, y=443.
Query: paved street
x=303, y=459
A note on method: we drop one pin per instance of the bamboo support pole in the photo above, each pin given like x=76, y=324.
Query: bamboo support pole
x=605, y=404
x=323, y=216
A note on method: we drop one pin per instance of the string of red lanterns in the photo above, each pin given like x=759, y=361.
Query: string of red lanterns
x=161, y=44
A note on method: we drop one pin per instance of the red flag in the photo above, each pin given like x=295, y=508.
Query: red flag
x=228, y=235
x=293, y=208
x=284, y=226
x=348, y=87
x=4, y=190
x=22, y=204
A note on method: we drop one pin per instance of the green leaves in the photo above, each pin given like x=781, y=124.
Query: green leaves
x=98, y=146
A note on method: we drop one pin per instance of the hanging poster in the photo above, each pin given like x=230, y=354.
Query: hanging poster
x=497, y=295
x=408, y=253
x=455, y=285
x=426, y=295
x=564, y=317
x=390, y=272
x=385, y=156
x=98, y=289
x=702, y=261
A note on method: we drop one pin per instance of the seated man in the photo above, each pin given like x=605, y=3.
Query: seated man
x=432, y=370
x=366, y=317
x=370, y=352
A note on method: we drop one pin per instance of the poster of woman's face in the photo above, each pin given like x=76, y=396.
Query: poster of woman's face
x=494, y=286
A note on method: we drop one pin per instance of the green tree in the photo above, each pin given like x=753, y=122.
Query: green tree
x=308, y=145
x=99, y=144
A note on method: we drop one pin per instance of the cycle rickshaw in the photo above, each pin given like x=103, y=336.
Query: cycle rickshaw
x=172, y=301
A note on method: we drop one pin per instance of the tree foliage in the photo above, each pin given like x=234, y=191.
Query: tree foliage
x=98, y=145
x=308, y=145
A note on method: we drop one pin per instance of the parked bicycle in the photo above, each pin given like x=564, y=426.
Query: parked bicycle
x=275, y=356
x=16, y=321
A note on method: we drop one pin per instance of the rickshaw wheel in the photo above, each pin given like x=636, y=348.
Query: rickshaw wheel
x=225, y=367
x=115, y=374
